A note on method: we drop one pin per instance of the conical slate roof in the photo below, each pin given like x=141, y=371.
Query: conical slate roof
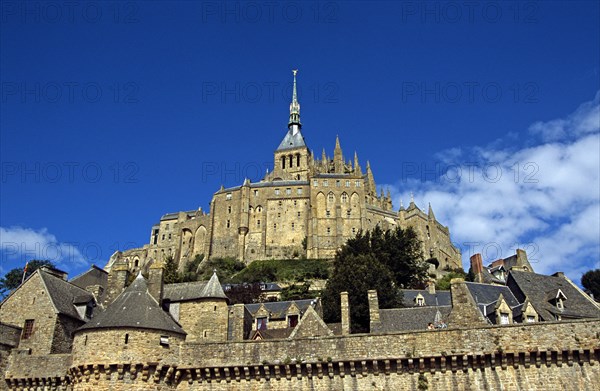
x=291, y=141
x=134, y=308
x=213, y=289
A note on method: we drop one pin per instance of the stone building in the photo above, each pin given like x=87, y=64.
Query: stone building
x=306, y=206
x=138, y=341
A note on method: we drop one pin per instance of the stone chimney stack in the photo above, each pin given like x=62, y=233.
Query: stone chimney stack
x=431, y=287
x=477, y=266
x=117, y=281
x=241, y=322
x=156, y=281
x=345, y=313
x=373, y=308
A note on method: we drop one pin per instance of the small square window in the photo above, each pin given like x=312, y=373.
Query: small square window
x=504, y=318
x=316, y=183
x=325, y=183
x=299, y=191
x=228, y=196
x=255, y=193
x=164, y=340
x=338, y=183
x=276, y=191
x=347, y=183
x=288, y=191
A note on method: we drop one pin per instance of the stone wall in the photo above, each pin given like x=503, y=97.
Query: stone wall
x=205, y=320
x=124, y=346
x=31, y=301
x=538, y=356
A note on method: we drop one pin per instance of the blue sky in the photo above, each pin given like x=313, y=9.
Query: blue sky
x=114, y=113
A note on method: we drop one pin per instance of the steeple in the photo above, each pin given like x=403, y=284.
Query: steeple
x=357, y=168
x=338, y=157
x=294, y=124
x=430, y=213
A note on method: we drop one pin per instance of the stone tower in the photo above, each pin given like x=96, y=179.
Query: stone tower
x=292, y=157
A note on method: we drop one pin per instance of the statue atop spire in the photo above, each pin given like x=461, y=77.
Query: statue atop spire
x=294, y=124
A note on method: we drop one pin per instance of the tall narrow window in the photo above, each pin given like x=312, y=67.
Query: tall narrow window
x=298, y=160
x=27, y=329
x=126, y=339
x=503, y=318
x=291, y=162
x=283, y=162
x=261, y=323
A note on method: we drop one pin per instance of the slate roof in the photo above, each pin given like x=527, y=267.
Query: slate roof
x=64, y=294
x=213, y=289
x=184, y=291
x=93, y=276
x=134, y=308
x=272, y=333
x=278, y=309
x=291, y=141
x=486, y=296
x=537, y=287
x=409, y=296
x=404, y=319
x=194, y=290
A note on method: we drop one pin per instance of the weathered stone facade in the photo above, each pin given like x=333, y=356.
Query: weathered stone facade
x=306, y=206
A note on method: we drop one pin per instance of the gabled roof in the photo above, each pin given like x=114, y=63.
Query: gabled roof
x=134, y=308
x=404, y=319
x=194, y=290
x=271, y=334
x=438, y=298
x=487, y=298
x=537, y=288
x=278, y=309
x=64, y=294
x=93, y=276
x=291, y=141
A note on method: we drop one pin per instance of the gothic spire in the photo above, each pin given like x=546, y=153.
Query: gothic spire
x=294, y=124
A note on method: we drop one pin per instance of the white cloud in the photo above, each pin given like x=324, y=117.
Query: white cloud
x=544, y=197
x=19, y=245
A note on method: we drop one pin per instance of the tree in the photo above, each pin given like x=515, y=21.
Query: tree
x=444, y=282
x=13, y=278
x=357, y=274
x=245, y=293
x=297, y=292
x=591, y=282
x=381, y=260
x=170, y=274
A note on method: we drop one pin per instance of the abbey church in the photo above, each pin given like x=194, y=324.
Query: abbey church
x=306, y=207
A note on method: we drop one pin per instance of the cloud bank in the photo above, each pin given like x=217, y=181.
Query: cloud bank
x=19, y=245
x=543, y=196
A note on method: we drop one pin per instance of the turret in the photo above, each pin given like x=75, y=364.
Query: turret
x=338, y=157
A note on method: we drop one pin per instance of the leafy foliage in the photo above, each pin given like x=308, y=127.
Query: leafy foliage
x=245, y=294
x=13, y=278
x=297, y=292
x=357, y=274
x=383, y=261
x=591, y=282
x=293, y=270
x=444, y=282
x=171, y=275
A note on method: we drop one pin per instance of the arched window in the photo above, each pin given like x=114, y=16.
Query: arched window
x=283, y=162
x=297, y=160
x=291, y=161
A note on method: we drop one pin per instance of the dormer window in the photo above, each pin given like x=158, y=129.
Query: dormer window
x=504, y=318
x=420, y=300
x=559, y=304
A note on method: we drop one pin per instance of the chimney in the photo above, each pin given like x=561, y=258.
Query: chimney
x=117, y=280
x=559, y=274
x=431, y=287
x=373, y=308
x=241, y=322
x=156, y=281
x=345, y=313
x=477, y=266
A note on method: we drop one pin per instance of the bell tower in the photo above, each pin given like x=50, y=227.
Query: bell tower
x=292, y=156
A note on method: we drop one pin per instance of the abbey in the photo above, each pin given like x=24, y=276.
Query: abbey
x=306, y=207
